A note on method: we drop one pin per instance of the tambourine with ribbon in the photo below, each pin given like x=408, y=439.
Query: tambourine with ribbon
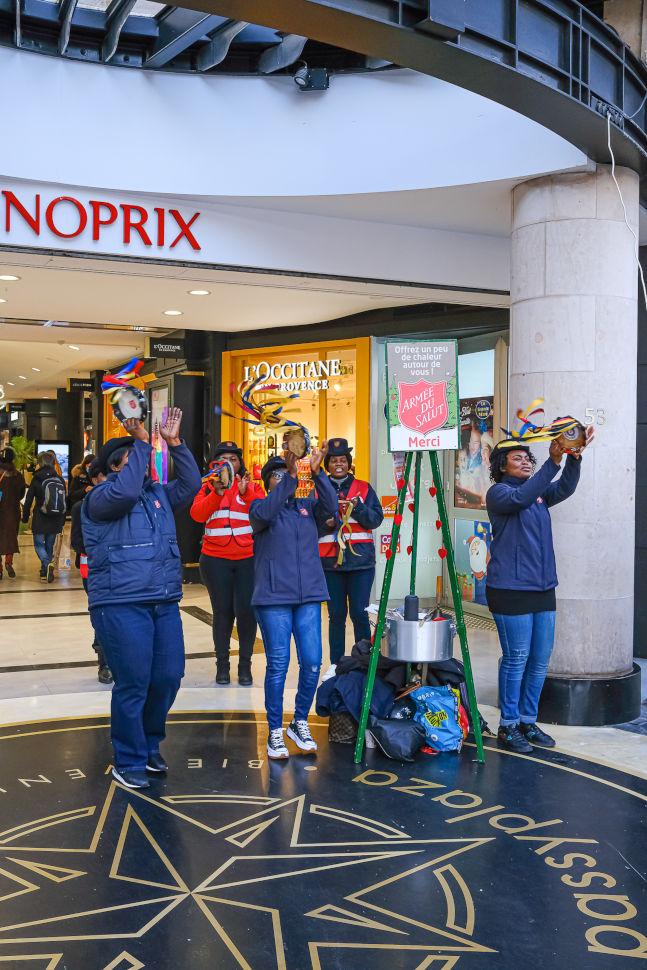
x=126, y=391
x=568, y=430
x=265, y=405
x=221, y=472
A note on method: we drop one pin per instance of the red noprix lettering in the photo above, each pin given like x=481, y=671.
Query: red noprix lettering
x=97, y=221
x=185, y=227
x=138, y=226
x=49, y=217
x=12, y=200
x=160, y=226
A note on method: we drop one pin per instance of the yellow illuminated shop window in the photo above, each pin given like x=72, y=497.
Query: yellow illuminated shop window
x=332, y=381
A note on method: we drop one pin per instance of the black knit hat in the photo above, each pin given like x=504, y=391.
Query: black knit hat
x=270, y=466
x=337, y=447
x=107, y=450
x=227, y=448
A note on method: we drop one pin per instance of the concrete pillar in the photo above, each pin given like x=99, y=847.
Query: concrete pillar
x=573, y=342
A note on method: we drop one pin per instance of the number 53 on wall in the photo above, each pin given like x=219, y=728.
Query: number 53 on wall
x=595, y=416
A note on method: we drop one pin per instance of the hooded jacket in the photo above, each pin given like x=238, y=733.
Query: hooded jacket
x=287, y=566
x=129, y=531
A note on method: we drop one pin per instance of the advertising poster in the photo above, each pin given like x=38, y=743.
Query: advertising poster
x=62, y=451
x=159, y=455
x=422, y=395
x=472, y=464
x=472, y=540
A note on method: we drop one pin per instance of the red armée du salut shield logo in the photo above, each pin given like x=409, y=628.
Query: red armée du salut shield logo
x=423, y=406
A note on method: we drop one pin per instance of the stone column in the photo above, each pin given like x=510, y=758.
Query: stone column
x=573, y=342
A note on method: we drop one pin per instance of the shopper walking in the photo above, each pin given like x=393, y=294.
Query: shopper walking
x=47, y=494
x=349, y=570
x=227, y=563
x=289, y=587
x=80, y=483
x=521, y=580
x=95, y=477
x=12, y=489
x=134, y=587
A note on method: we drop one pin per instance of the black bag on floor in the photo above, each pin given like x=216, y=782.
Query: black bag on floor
x=398, y=739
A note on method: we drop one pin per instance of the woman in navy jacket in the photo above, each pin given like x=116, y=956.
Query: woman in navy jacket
x=521, y=580
x=134, y=587
x=289, y=587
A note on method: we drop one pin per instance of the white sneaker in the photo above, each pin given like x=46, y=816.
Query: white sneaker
x=299, y=732
x=276, y=745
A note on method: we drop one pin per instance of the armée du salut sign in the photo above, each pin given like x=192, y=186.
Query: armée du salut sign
x=422, y=395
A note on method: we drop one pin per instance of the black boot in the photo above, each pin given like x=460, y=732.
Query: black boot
x=245, y=674
x=222, y=672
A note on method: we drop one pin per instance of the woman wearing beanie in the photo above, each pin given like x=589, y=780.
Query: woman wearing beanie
x=522, y=577
x=227, y=563
x=289, y=587
x=349, y=571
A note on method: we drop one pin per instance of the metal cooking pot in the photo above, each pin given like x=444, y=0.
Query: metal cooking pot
x=413, y=641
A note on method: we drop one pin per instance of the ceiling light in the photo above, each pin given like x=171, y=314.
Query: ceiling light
x=37, y=369
x=22, y=377
x=173, y=313
x=199, y=292
x=9, y=279
x=11, y=383
x=73, y=347
x=2, y=301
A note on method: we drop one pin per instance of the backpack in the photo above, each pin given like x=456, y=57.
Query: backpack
x=54, y=500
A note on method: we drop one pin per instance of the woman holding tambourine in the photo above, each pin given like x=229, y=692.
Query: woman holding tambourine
x=226, y=563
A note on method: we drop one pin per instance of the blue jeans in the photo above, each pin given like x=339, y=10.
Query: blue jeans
x=278, y=624
x=44, y=546
x=350, y=591
x=144, y=647
x=526, y=644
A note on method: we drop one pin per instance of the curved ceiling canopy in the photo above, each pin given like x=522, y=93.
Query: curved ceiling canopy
x=553, y=61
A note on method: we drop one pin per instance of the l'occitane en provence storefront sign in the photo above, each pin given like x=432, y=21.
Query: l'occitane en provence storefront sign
x=331, y=384
x=296, y=375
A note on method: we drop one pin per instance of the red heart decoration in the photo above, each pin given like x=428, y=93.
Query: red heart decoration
x=397, y=519
x=409, y=550
x=432, y=491
x=439, y=524
x=442, y=552
x=411, y=506
x=400, y=484
x=388, y=553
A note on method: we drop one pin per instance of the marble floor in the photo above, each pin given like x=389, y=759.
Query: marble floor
x=47, y=666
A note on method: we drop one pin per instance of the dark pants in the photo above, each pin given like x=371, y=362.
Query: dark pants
x=96, y=646
x=44, y=546
x=350, y=592
x=144, y=647
x=230, y=583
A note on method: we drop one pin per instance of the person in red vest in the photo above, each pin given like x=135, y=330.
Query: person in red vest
x=349, y=565
x=227, y=563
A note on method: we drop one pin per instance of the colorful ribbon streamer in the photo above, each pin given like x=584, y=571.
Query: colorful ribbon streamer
x=533, y=433
x=128, y=376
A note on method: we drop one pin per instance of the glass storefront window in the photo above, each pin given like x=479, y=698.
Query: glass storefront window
x=331, y=401
x=429, y=564
x=466, y=477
